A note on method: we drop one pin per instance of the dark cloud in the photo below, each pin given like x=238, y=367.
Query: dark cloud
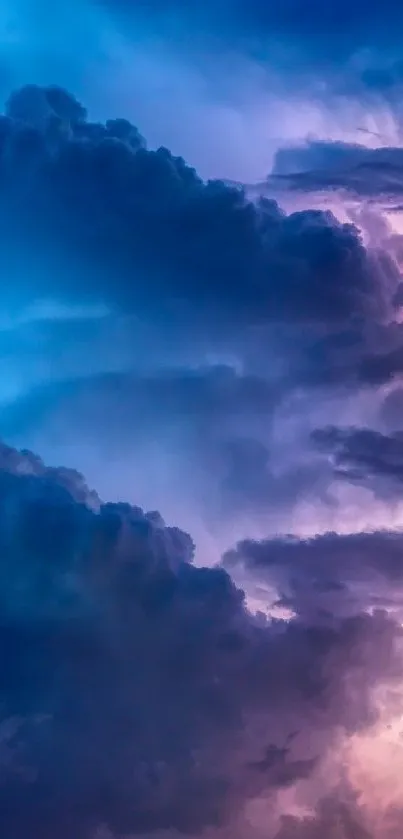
x=327, y=574
x=319, y=166
x=137, y=690
x=367, y=352
x=140, y=229
x=134, y=685
x=362, y=454
x=197, y=282
x=193, y=273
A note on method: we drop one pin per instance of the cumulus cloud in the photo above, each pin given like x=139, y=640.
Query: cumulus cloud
x=90, y=216
x=137, y=691
x=158, y=236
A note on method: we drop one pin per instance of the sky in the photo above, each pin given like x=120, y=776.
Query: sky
x=201, y=419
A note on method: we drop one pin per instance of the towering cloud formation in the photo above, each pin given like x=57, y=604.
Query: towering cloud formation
x=159, y=236
x=138, y=694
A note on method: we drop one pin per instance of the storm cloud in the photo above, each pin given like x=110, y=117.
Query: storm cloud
x=175, y=305
x=158, y=237
x=136, y=687
x=217, y=338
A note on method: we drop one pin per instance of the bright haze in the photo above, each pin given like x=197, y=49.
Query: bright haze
x=201, y=420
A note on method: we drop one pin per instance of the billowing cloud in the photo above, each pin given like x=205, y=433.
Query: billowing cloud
x=180, y=306
x=160, y=238
x=137, y=691
x=196, y=339
x=230, y=356
x=188, y=270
